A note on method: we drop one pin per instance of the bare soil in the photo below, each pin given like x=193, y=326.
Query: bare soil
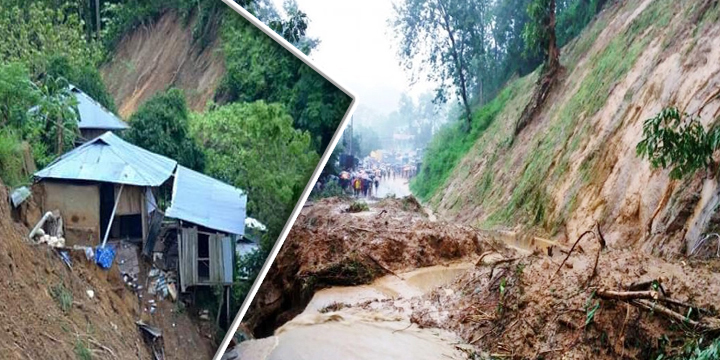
x=511, y=304
x=151, y=59
x=34, y=325
x=329, y=246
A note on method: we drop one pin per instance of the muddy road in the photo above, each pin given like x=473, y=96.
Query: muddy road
x=392, y=283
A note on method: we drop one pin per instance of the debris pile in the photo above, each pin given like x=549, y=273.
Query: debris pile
x=328, y=246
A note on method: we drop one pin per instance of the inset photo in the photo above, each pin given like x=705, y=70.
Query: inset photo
x=151, y=154
x=522, y=179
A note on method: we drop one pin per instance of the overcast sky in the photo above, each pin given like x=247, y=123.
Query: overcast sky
x=356, y=49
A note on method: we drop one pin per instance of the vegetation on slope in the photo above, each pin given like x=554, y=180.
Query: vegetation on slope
x=549, y=157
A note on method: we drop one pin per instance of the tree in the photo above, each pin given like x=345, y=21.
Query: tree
x=57, y=110
x=258, y=68
x=34, y=34
x=448, y=36
x=161, y=126
x=540, y=33
x=254, y=146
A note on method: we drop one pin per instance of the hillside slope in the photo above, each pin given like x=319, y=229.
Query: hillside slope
x=576, y=163
x=49, y=315
x=150, y=59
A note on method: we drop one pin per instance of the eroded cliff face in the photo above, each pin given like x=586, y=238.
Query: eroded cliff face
x=576, y=163
x=151, y=59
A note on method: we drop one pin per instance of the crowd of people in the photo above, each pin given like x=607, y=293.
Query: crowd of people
x=364, y=181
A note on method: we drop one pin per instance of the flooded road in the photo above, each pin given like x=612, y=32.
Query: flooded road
x=361, y=332
x=398, y=186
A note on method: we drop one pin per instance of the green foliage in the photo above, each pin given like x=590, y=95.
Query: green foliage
x=10, y=160
x=255, y=147
x=161, y=125
x=63, y=296
x=678, y=140
x=358, y=206
x=119, y=17
x=85, y=76
x=34, y=34
x=451, y=143
x=711, y=352
x=591, y=307
x=17, y=94
x=573, y=16
x=537, y=32
x=331, y=189
x=258, y=68
x=82, y=352
x=55, y=121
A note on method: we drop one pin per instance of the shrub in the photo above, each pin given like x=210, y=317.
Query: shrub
x=161, y=125
x=678, y=140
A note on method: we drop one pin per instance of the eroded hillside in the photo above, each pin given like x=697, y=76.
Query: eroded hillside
x=164, y=54
x=576, y=163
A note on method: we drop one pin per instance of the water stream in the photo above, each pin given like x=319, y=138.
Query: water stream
x=362, y=333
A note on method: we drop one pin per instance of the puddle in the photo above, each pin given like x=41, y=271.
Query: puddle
x=406, y=285
x=357, y=333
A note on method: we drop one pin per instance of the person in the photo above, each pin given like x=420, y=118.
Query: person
x=377, y=184
x=356, y=186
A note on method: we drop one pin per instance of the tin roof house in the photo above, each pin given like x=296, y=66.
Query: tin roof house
x=105, y=189
x=212, y=218
x=94, y=119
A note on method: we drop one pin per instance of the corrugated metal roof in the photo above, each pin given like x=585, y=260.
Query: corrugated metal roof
x=95, y=116
x=111, y=159
x=202, y=200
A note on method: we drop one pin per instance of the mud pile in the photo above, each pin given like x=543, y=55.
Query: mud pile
x=329, y=246
x=47, y=313
x=519, y=310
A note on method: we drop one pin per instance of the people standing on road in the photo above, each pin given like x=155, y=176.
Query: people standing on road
x=357, y=185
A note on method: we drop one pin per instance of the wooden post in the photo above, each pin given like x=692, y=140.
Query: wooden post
x=112, y=215
x=227, y=306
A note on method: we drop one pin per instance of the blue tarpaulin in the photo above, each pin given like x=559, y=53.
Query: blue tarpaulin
x=104, y=256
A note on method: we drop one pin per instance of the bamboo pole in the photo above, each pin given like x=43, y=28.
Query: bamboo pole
x=112, y=216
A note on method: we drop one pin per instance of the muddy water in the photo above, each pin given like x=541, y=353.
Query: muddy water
x=360, y=333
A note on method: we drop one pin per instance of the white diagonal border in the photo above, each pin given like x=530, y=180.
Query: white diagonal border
x=303, y=198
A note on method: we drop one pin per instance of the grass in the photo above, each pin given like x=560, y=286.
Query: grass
x=81, y=351
x=62, y=296
x=452, y=143
x=529, y=199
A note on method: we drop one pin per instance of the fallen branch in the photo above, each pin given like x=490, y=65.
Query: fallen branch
x=629, y=295
x=570, y=252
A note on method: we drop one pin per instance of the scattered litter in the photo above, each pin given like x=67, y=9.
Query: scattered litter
x=19, y=195
x=204, y=315
x=90, y=293
x=65, y=256
x=153, y=338
x=89, y=253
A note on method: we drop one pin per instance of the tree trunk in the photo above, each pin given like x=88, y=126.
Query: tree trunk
x=547, y=77
x=59, y=135
x=460, y=68
x=553, y=60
